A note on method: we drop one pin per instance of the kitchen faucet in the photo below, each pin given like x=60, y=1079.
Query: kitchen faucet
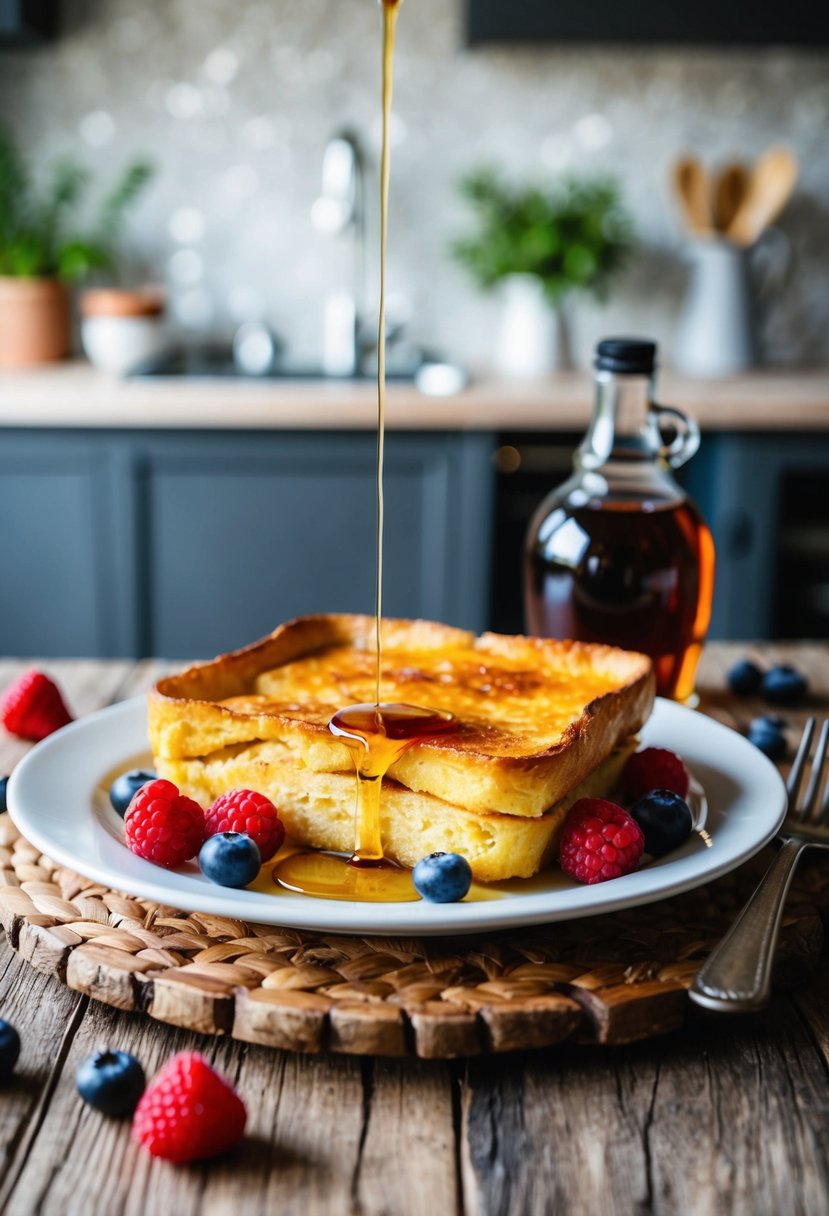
x=339, y=212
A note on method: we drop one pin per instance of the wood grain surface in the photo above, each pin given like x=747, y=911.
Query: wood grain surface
x=723, y=1116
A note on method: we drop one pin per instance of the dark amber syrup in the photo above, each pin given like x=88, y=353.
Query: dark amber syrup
x=633, y=574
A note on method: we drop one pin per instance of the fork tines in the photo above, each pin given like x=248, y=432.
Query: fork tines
x=808, y=810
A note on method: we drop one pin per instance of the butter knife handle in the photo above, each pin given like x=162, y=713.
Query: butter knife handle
x=737, y=976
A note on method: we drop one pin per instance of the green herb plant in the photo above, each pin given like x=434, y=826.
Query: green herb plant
x=573, y=235
x=38, y=233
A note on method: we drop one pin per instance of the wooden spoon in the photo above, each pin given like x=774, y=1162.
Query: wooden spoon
x=769, y=188
x=693, y=190
x=729, y=190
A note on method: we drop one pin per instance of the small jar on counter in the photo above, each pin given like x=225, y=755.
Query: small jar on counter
x=121, y=329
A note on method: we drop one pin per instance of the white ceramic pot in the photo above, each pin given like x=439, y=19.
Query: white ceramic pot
x=122, y=327
x=118, y=344
x=532, y=339
x=718, y=329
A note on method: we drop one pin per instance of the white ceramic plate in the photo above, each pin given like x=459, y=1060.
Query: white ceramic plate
x=56, y=796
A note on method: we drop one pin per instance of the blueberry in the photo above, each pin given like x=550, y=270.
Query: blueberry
x=442, y=878
x=770, y=721
x=665, y=819
x=125, y=787
x=768, y=738
x=111, y=1081
x=745, y=678
x=784, y=685
x=4, y=781
x=9, y=1049
x=230, y=859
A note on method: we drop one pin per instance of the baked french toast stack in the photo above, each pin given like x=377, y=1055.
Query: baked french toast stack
x=539, y=724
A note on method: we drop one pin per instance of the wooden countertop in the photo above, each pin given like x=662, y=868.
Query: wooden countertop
x=75, y=395
x=726, y=1115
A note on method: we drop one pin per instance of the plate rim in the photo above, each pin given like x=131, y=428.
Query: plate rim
x=322, y=915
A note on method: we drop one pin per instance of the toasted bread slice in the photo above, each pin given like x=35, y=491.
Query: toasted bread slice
x=317, y=809
x=534, y=716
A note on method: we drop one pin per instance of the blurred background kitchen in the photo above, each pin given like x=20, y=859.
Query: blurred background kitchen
x=212, y=473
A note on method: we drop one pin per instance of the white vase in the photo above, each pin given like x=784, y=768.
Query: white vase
x=718, y=329
x=533, y=338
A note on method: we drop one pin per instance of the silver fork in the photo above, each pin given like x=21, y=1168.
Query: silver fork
x=736, y=978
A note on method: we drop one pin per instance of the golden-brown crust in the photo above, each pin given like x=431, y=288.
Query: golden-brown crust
x=500, y=759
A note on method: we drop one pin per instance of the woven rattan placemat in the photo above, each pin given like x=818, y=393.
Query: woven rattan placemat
x=609, y=979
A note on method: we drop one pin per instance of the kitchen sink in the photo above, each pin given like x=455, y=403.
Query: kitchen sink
x=217, y=360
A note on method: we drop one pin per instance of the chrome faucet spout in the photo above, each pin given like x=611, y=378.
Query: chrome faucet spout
x=339, y=213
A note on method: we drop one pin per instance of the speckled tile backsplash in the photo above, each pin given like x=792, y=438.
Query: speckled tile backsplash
x=236, y=99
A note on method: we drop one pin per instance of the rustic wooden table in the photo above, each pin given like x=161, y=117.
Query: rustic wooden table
x=725, y=1116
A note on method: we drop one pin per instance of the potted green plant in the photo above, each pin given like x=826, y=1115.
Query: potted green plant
x=42, y=250
x=541, y=245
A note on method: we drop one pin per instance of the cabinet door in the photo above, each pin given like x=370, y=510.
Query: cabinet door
x=54, y=537
x=245, y=532
x=767, y=551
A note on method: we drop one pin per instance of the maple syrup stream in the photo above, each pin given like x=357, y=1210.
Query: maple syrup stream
x=378, y=734
x=391, y=9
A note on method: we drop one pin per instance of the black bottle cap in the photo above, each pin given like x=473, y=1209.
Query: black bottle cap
x=630, y=356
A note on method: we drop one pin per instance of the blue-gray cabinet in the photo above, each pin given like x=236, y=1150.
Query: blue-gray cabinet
x=766, y=498
x=188, y=543
x=191, y=543
x=55, y=548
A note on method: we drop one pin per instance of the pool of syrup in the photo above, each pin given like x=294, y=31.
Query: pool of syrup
x=376, y=736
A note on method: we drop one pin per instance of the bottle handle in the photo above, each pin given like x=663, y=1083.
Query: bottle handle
x=686, y=439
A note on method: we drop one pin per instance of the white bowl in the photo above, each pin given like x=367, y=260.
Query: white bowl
x=118, y=344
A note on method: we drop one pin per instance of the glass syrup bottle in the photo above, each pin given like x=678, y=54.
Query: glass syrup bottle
x=619, y=553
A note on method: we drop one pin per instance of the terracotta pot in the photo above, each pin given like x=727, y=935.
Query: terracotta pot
x=121, y=302
x=34, y=321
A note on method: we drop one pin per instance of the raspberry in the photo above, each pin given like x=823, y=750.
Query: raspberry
x=33, y=707
x=189, y=1112
x=599, y=841
x=655, y=768
x=252, y=814
x=163, y=825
